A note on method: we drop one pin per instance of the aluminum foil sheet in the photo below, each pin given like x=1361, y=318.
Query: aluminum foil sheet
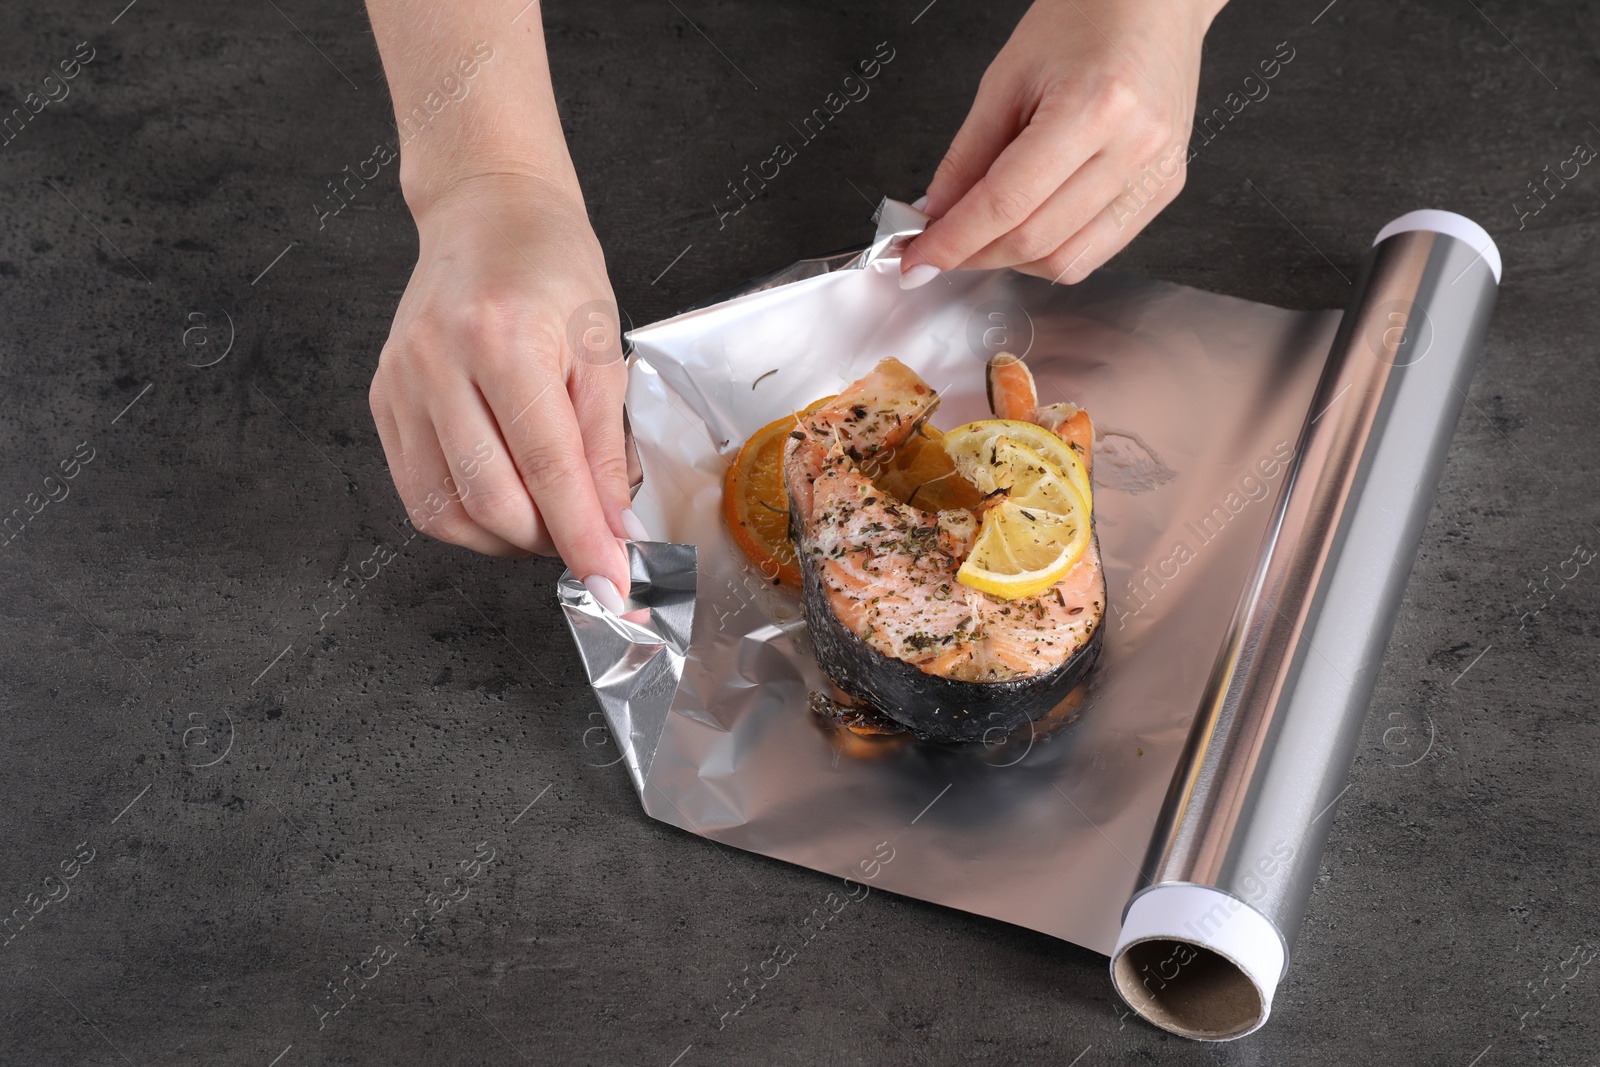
x=1149, y=776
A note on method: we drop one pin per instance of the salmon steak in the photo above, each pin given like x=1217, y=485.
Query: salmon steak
x=890, y=623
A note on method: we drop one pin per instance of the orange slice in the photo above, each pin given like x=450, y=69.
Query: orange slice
x=922, y=473
x=755, y=502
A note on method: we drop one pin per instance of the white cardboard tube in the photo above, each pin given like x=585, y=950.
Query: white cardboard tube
x=1451, y=225
x=1198, y=962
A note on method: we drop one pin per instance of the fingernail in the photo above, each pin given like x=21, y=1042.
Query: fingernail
x=635, y=528
x=921, y=274
x=921, y=202
x=602, y=590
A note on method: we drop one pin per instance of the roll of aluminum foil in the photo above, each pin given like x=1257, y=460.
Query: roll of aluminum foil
x=1261, y=477
x=1235, y=852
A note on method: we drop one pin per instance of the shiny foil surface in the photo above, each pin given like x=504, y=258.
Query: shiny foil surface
x=1199, y=400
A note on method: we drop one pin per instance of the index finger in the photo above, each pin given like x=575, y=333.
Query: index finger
x=546, y=442
x=1049, y=150
x=994, y=120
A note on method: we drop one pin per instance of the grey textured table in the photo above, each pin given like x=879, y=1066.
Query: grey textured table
x=248, y=806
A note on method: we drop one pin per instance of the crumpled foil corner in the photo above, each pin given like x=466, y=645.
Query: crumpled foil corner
x=635, y=660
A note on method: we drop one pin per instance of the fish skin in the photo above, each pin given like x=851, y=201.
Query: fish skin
x=933, y=707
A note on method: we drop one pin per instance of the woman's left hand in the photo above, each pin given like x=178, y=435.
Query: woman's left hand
x=1079, y=135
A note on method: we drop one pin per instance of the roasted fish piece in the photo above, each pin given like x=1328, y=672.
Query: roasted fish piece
x=890, y=621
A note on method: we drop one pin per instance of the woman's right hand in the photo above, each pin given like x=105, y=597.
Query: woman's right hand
x=498, y=395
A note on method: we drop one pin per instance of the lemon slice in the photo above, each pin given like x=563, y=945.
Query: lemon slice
x=971, y=442
x=1029, y=478
x=1021, y=552
x=1030, y=539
